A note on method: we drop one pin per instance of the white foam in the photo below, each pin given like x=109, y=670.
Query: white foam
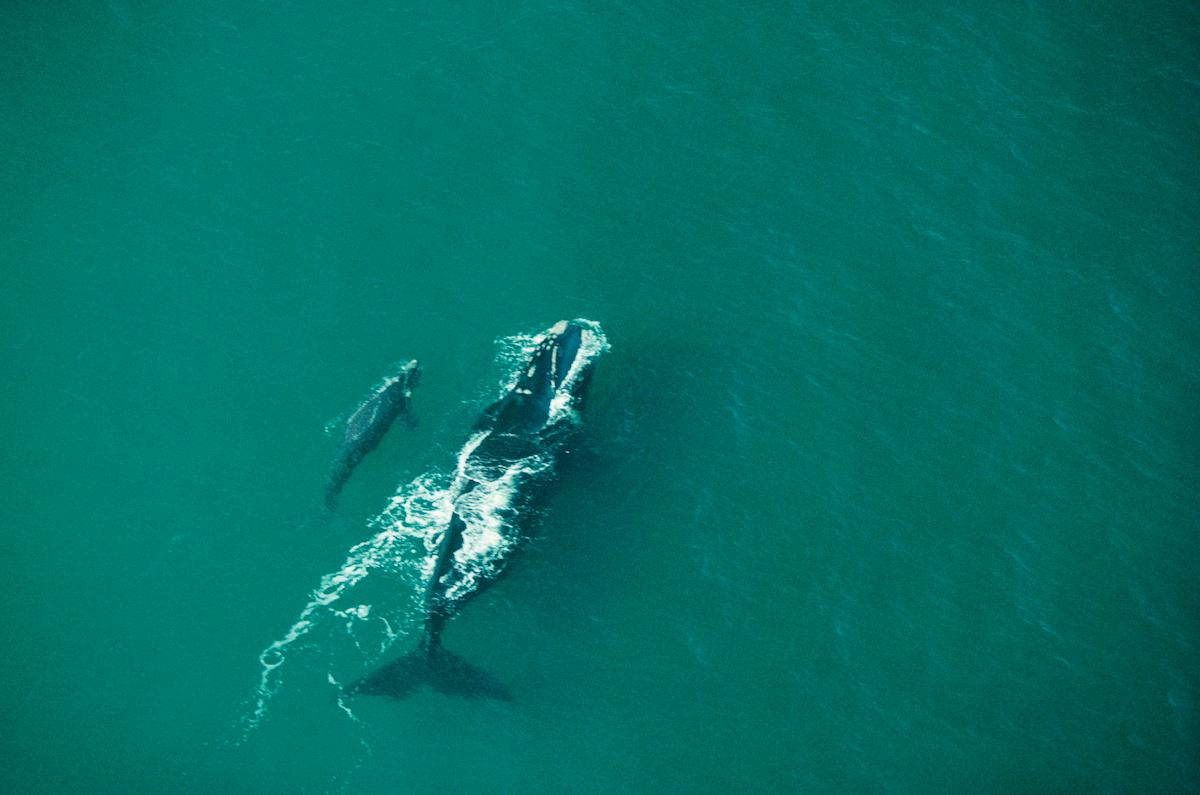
x=411, y=517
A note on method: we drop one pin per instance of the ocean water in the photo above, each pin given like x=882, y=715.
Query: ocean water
x=887, y=483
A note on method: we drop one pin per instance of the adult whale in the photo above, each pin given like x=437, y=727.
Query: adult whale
x=367, y=425
x=513, y=447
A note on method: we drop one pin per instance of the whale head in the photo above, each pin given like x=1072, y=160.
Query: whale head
x=553, y=375
x=411, y=372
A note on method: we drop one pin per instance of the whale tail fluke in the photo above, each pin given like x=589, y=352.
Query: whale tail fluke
x=430, y=665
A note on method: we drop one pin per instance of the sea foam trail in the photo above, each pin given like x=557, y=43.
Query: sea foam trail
x=412, y=519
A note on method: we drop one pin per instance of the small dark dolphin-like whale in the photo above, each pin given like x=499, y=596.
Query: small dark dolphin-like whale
x=366, y=427
x=513, y=447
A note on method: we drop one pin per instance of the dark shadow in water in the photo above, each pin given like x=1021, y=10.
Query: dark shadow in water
x=437, y=669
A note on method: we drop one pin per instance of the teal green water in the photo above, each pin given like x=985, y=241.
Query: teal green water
x=888, y=482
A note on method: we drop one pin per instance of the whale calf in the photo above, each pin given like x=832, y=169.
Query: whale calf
x=366, y=427
x=511, y=450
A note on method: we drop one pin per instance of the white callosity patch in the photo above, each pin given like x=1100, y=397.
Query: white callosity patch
x=413, y=522
x=400, y=370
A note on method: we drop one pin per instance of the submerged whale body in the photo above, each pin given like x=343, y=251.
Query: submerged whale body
x=367, y=426
x=512, y=448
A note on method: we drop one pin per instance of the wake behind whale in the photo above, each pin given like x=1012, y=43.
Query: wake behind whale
x=446, y=535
